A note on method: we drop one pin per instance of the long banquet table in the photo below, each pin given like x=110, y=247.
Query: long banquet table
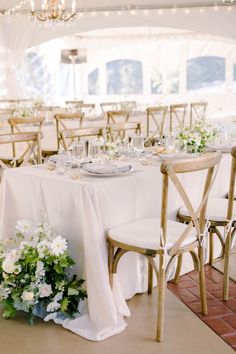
x=82, y=211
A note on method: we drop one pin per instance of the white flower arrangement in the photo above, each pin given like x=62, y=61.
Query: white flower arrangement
x=195, y=140
x=35, y=275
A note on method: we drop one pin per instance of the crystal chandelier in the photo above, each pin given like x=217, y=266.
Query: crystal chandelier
x=53, y=11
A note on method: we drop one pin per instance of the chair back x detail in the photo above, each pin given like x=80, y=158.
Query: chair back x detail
x=119, y=131
x=62, y=122
x=178, y=113
x=157, y=115
x=33, y=141
x=161, y=237
x=68, y=136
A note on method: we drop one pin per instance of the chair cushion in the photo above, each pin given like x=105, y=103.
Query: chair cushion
x=145, y=233
x=216, y=209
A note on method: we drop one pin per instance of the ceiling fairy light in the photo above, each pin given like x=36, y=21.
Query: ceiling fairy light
x=53, y=11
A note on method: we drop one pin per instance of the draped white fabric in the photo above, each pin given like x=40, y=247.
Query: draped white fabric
x=18, y=33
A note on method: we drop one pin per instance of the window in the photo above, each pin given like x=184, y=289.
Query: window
x=156, y=82
x=172, y=82
x=124, y=77
x=93, y=82
x=205, y=72
x=234, y=73
x=36, y=76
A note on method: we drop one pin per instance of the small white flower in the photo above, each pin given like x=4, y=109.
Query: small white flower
x=24, y=245
x=43, y=247
x=27, y=296
x=40, y=271
x=51, y=316
x=4, y=292
x=24, y=227
x=58, y=246
x=53, y=306
x=45, y=290
x=8, y=266
x=58, y=296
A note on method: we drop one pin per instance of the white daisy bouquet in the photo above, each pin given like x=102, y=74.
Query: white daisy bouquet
x=35, y=275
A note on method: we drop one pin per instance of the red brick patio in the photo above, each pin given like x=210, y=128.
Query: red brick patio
x=221, y=314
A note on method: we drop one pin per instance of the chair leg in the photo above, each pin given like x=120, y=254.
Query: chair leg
x=150, y=278
x=211, y=247
x=110, y=262
x=226, y=268
x=202, y=283
x=160, y=301
x=178, y=269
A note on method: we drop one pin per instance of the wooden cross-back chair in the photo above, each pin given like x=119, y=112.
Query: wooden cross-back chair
x=62, y=121
x=220, y=213
x=5, y=113
x=33, y=147
x=109, y=106
x=22, y=125
x=197, y=111
x=178, y=113
x=75, y=104
x=68, y=136
x=160, y=237
x=119, y=130
x=87, y=108
x=157, y=115
x=117, y=117
x=127, y=105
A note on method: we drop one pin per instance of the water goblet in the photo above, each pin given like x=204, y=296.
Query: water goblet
x=94, y=150
x=170, y=141
x=137, y=143
x=78, y=152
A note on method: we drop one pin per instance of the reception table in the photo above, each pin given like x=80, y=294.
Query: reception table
x=82, y=211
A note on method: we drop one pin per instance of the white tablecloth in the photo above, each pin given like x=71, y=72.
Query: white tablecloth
x=82, y=211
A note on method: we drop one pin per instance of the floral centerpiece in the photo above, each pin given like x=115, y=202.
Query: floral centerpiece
x=195, y=139
x=35, y=275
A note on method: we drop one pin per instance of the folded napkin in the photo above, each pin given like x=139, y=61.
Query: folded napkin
x=106, y=169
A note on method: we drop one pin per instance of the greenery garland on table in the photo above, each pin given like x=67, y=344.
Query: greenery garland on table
x=35, y=275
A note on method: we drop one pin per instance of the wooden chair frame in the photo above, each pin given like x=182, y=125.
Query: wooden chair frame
x=15, y=124
x=33, y=140
x=73, y=134
x=178, y=112
x=65, y=117
x=76, y=103
x=117, y=249
x=87, y=108
x=158, y=116
x=214, y=225
x=197, y=111
x=119, y=130
x=112, y=115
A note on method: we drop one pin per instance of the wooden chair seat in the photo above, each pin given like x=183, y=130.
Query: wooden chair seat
x=143, y=234
x=216, y=211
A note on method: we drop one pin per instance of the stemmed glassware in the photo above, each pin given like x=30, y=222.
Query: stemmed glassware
x=170, y=141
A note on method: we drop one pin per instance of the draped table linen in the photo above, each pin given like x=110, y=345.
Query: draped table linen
x=82, y=211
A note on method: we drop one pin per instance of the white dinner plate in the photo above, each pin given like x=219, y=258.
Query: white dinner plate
x=93, y=174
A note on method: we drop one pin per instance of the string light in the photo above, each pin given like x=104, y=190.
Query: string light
x=15, y=8
x=146, y=10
